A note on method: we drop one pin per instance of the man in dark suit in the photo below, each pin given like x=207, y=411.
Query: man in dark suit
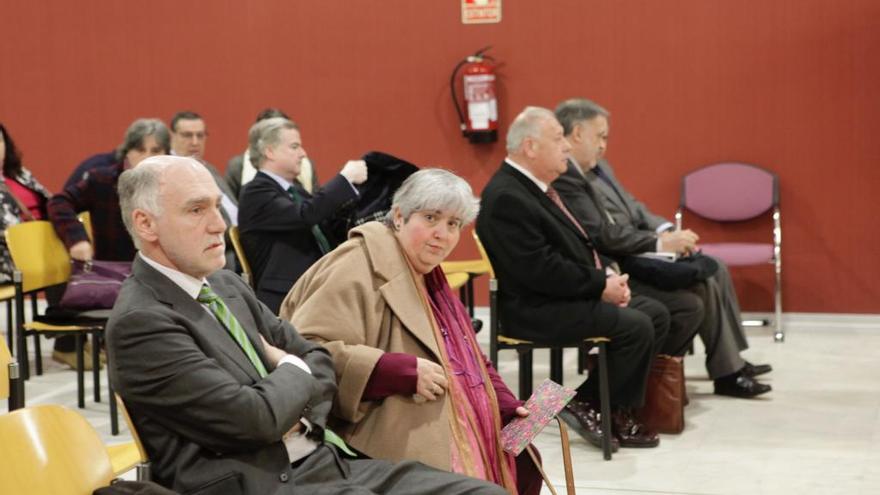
x=623, y=226
x=227, y=398
x=240, y=170
x=281, y=224
x=552, y=286
x=189, y=137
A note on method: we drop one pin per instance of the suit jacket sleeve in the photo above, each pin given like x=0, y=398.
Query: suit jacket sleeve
x=162, y=367
x=643, y=215
x=233, y=174
x=265, y=207
x=341, y=281
x=586, y=205
x=63, y=208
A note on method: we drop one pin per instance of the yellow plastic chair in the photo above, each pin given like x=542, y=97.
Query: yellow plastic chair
x=456, y=280
x=41, y=261
x=51, y=450
x=471, y=268
x=85, y=218
x=7, y=294
x=129, y=455
x=235, y=237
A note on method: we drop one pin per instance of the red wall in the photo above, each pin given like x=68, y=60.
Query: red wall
x=788, y=84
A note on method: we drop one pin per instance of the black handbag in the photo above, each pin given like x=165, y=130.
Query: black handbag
x=670, y=275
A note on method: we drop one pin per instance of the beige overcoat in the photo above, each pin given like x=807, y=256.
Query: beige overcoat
x=360, y=301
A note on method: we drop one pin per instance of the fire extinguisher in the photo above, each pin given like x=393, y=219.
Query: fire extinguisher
x=479, y=120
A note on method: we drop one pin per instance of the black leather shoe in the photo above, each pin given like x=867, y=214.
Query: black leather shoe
x=754, y=370
x=740, y=385
x=583, y=418
x=630, y=433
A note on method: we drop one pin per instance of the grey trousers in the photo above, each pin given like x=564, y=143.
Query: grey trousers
x=326, y=472
x=721, y=332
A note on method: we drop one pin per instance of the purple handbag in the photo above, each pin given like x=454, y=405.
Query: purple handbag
x=94, y=284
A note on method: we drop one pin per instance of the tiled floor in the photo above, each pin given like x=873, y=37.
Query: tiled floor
x=816, y=433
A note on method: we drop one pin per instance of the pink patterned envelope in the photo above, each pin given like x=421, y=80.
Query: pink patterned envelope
x=544, y=404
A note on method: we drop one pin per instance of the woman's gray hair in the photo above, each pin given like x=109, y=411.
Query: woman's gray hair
x=140, y=129
x=265, y=134
x=139, y=190
x=526, y=124
x=434, y=189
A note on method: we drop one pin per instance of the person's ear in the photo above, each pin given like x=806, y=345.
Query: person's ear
x=144, y=225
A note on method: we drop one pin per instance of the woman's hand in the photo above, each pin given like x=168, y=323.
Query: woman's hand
x=431, y=382
x=522, y=412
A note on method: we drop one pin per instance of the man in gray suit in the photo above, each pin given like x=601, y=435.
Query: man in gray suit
x=189, y=137
x=227, y=398
x=624, y=226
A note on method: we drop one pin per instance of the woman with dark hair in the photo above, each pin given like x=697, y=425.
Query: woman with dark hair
x=22, y=198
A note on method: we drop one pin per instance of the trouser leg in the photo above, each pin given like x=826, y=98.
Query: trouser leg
x=685, y=312
x=630, y=352
x=330, y=473
x=718, y=336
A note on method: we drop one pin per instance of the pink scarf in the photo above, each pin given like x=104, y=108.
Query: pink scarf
x=473, y=398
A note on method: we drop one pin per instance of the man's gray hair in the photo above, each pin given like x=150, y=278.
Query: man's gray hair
x=140, y=129
x=139, y=187
x=575, y=110
x=435, y=189
x=526, y=124
x=265, y=134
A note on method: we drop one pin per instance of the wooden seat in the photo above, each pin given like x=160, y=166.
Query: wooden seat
x=51, y=450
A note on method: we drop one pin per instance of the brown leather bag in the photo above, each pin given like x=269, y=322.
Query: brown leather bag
x=664, y=398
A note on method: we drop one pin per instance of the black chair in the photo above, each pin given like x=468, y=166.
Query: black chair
x=524, y=348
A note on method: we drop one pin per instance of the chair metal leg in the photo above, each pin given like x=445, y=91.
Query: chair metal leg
x=80, y=372
x=96, y=366
x=779, y=336
x=582, y=360
x=21, y=352
x=114, y=414
x=16, y=387
x=470, y=295
x=10, y=330
x=604, y=402
x=525, y=373
x=143, y=471
x=38, y=354
x=556, y=364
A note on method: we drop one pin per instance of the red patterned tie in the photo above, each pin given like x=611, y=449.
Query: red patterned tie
x=554, y=196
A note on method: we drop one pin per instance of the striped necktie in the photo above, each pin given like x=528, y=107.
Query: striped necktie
x=319, y=236
x=221, y=311
x=554, y=196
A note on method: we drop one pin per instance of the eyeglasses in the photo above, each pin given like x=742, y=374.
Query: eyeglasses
x=190, y=135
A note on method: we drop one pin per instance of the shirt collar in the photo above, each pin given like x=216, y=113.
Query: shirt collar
x=189, y=284
x=541, y=185
x=280, y=180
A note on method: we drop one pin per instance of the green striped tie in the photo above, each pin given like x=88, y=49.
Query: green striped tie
x=317, y=233
x=218, y=307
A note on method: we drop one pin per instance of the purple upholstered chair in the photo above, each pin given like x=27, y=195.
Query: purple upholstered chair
x=734, y=192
